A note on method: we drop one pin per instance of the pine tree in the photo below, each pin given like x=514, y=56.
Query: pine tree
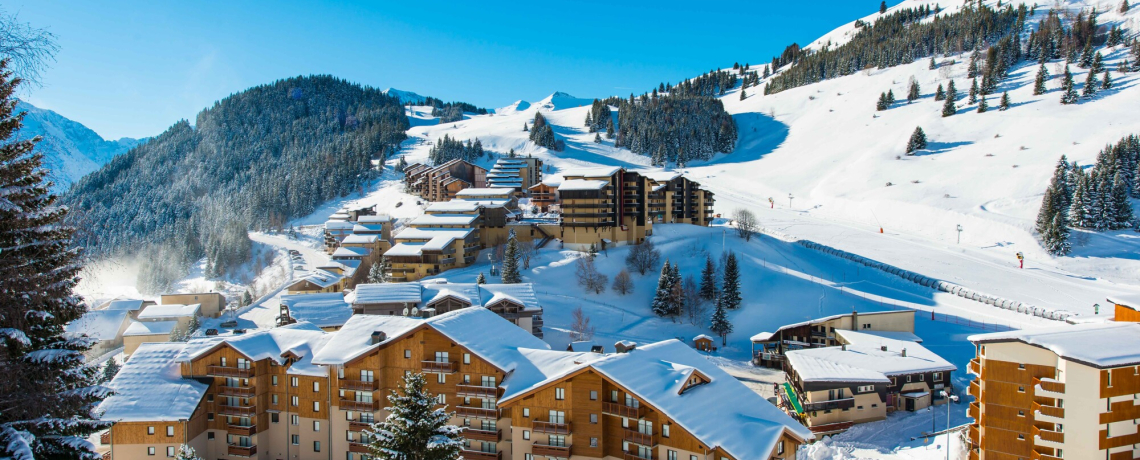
x=933, y=65
x=187, y=453
x=1068, y=91
x=948, y=108
x=1004, y=101
x=982, y=107
x=974, y=91
x=1079, y=208
x=51, y=391
x=883, y=7
x=730, y=291
x=676, y=293
x=1124, y=7
x=917, y=141
x=742, y=94
x=940, y=94
x=709, y=289
x=661, y=305
x=415, y=428
x=913, y=93
x=890, y=96
x=1046, y=212
x=376, y=272
x=1056, y=240
x=481, y=279
x=246, y=298
x=951, y=92
x=1098, y=63
x=597, y=138
x=1091, y=84
x=882, y=104
x=1121, y=208
x=511, y=273
x=110, y=370
x=1107, y=82
x=1086, y=59
x=720, y=324
x=610, y=128
x=1039, y=81
x=525, y=128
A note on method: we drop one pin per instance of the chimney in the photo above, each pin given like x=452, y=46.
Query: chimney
x=904, y=353
x=884, y=348
x=843, y=347
x=854, y=320
x=378, y=336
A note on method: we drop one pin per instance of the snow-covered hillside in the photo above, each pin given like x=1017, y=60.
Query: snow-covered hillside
x=70, y=149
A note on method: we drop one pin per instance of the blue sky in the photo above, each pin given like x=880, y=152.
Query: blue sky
x=134, y=68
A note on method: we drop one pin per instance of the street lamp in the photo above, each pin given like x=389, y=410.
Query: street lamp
x=790, y=200
x=959, y=233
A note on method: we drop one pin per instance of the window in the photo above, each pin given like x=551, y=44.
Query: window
x=527, y=457
x=296, y=439
x=1060, y=453
x=273, y=399
x=1020, y=389
x=593, y=418
x=593, y=442
x=937, y=377
x=294, y=419
x=526, y=435
x=921, y=377
x=1021, y=436
x=780, y=448
x=316, y=387
x=223, y=361
x=150, y=430
x=170, y=451
x=294, y=382
x=865, y=388
x=210, y=397
x=467, y=358
x=559, y=394
x=665, y=430
x=441, y=398
x=407, y=354
x=671, y=455
x=210, y=416
x=316, y=446
x=295, y=401
x=209, y=435
x=170, y=431
x=1020, y=413
x=593, y=395
x=441, y=378
x=526, y=412
x=613, y=396
x=274, y=417
x=150, y=451
x=367, y=376
x=908, y=379
x=316, y=425
x=692, y=457
x=858, y=407
x=316, y=406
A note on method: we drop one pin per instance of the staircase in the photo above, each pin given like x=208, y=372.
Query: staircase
x=545, y=237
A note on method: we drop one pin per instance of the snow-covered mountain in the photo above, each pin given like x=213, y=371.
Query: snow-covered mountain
x=405, y=97
x=70, y=149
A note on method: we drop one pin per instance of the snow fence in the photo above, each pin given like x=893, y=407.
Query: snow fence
x=944, y=286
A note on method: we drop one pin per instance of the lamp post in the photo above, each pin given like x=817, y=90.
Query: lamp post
x=790, y=200
x=959, y=233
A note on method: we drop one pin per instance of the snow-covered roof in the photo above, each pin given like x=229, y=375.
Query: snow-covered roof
x=600, y=171
x=582, y=184
x=138, y=328
x=466, y=292
x=438, y=238
x=125, y=304
x=302, y=338
x=367, y=228
x=863, y=357
x=345, y=251
x=769, y=336
x=338, y=225
x=406, y=249
x=453, y=206
x=1101, y=345
x=896, y=335
x=169, y=311
x=702, y=337
x=386, y=293
x=319, y=277
x=540, y=366
x=444, y=219
x=520, y=293
x=582, y=346
x=377, y=219
x=100, y=325
x=360, y=239
x=486, y=202
x=483, y=192
x=355, y=337
x=322, y=310
x=150, y=387
x=660, y=175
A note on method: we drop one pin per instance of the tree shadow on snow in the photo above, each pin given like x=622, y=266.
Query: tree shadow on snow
x=934, y=148
x=758, y=135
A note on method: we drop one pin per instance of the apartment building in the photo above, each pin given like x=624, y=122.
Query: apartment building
x=301, y=393
x=445, y=237
x=769, y=348
x=328, y=311
x=603, y=206
x=1058, y=392
x=867, y=376
x=675, y=199
x=213, y=303
x=516, y=303
x=544, y=195
x=317, y=281
x=442, y=182
x=517, y=174
x=105, y=327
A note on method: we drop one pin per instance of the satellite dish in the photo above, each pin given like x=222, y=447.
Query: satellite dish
x=405, y=311
x=415, y=311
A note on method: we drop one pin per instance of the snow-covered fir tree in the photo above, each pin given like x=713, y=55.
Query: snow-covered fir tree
x=1004, y=104
x=186, y=452
x=709, y=290
x=939, y=94
x=1091, y=85
x=1106, y=82
x=511, y=256
x=110, y=369
x=1068, y=90
x=982, y=105
x=378, y=272
x=661, y=305
x=917, y=141
x=730, y=287
x=720, y=324
x=415, y=429
x=1056, y=238
x=882, y=103
x=51, y=392
x=1040, y=79
x=481, y=279
x=973, y=92
x=913, y=92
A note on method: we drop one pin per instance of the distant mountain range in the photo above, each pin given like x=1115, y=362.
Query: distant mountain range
x=70, y=149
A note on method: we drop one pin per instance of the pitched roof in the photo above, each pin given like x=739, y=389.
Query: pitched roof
x=582, y=184
x=385, y=293
x=600, y=171
x=444, y=219
x=376, y=219
x=520, y=293
x=483, y=192
x=169, y=311
x=1101, y=345
x=150, y=387
x=301, y=338
x=322, y=310
x=125, y=304
x=452, y=206
x=150, y=328
x=360, y=239
x=100, y=325
x=320, y=278
x=866, y=353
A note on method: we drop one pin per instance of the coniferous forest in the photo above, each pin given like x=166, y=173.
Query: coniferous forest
x=252, y=161
x=675, y=128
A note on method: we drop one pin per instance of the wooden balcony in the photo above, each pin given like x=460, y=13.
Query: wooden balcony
x=483, y=435
x=241, y=392
x=242, y=451
x=358, y=385
x=835, y=404
x=475, y=391
x=242, y=430
x=975, y=390
x=635, y=456
x=355, y=425
x=1048, y=435
x=547, y=450
x=105, y=437
x=1048, y=387
x=445, y=367
x=975, y=367
x=480, y=455
x=975, y=436
x=358, y=447
x=1049, y=411
x=1035, y=455
x=476, y=412
x=974, y=411
x=551, y=428
x=622, y=410
x=360, y=406
x=226, y=371
x=638, y=437
x=241, y=411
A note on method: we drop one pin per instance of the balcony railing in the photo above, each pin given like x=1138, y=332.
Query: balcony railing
x=975, y=367
x=242, y=430
x=636, y=456
x=483, y=435
x=357, y=385
x=476, y=412
x=1049, y=435
x=975, y=390
x=645, y=439
x=622, y=410
x=226, y=371
x=974, y=410
x=358, y=447
x=1049, y=386
x=237, y=410
x=442, y=367
x=480, y=455
x=356, y=425
x=834, y=404
x=244, y=392
x=475, y=391
x=242, y=451
x=547, y=450
x=1049, y=411
x=364, y=406
x=551, y=427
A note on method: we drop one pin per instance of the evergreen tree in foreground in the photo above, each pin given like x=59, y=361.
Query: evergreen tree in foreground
x=662, y=305
x=730, y=292
x=187, y=453
x=720, y=324
x=917, y=141
x=939, y=94
x=1039, y=81
x=481, y=279
x=1004, y=101
x=50, y=392
x=948, y=108
x=1091, y=84
x=110, y=370
x=913, y=93
x=511, y=273
x=709, y=290
x=415, y=429
x=982, y=106
x=1056, y=237
x=377, y=273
